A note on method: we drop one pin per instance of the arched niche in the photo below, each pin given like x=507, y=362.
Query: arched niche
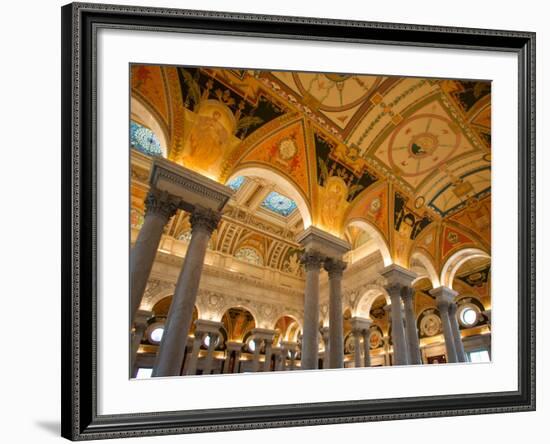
x=456, y=260
x=238, y=322
x=162, y=306
x=363, y=304
x=142, y=114
x=283, y=183
x=289, y=328
x=378, y=241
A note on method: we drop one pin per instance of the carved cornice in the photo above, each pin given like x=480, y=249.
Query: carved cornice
x=189, y=185
x=232, y=276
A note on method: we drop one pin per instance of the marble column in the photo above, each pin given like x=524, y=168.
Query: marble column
x=413, y=343
x=360, y=329
x=187, y=356
x=322, y=245
x=256, y=357
x=326, y=340
x=444, y=298
x=231, y=347
x=194, y=358
x=203, y=223
x=312, y=261
x=292, y=349
x=335, y=268
x=366, y=347
x=140, y=325
x=213, y=338
x=284, y=355
x=399, y=341
x=160, y=206
x=267, y=354
x=357, y=334
x=396, y=279
x=459, y=346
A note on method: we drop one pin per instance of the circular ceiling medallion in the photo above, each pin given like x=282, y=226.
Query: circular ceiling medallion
x=335, y=92
x=287, y=149
x=422, y=143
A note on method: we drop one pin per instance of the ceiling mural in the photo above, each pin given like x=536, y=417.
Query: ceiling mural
x=148, y=84
x=409, y=156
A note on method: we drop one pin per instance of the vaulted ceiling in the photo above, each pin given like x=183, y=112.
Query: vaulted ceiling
x=410, y=157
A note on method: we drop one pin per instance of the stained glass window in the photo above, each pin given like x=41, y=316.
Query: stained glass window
x=279, y=204
x=144, y=140
x=236, y=183
x=249, y=255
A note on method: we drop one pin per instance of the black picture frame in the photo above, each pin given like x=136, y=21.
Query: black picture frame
x=79, y=173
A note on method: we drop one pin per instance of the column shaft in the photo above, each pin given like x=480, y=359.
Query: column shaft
x=256, y=356
x=170, y=354
x=209, y=354
x=459, y=346
x=227, y=361
x=335, y=270
x=310, y=344
x=357, y=348
x=193, y=359
x=160, y=207
x=400, y=351
x=447, y=333
x=366, y=346
x=412, y=332
x=267, y=362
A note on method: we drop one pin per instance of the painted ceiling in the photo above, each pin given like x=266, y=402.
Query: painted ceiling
x=409, y=156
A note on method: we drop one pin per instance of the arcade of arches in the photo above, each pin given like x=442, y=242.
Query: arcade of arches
x=284, y=221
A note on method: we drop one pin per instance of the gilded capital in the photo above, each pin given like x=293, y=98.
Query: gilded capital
x=161, y=203
x=312, y=260
x=204, y=219
x=335, y=267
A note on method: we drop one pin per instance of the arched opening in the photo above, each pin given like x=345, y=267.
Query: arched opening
x=375, y=298
x=142, y=116
x=458, y=260
x=365, y=240
x=160, y=313
x=238, y=322
x=276, y=194
x=423, y=267
x=287, y=329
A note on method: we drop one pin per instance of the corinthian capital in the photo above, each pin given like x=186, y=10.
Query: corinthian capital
x=312, y=260
x=161, y=203
x=335, y=267
x=204, y=219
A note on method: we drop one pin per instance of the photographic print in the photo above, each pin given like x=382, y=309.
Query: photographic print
x=290, y=221
x=302, y=206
